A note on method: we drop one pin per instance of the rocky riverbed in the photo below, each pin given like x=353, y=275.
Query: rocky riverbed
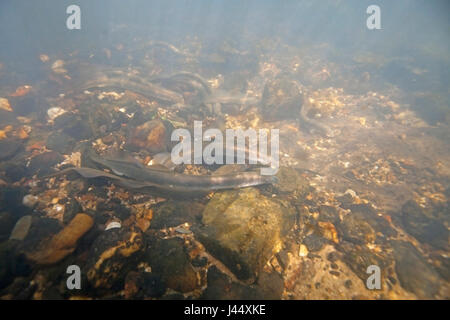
x=363, y=178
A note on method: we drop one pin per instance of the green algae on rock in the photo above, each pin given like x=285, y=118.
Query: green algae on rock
x=243, y=229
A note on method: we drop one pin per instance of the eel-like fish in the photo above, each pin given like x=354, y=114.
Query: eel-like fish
x=133, y=175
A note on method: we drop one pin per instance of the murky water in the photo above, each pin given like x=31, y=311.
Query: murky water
x=357, y=119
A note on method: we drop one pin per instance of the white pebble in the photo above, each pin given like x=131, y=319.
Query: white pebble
x=30, y=201
x=113, y=225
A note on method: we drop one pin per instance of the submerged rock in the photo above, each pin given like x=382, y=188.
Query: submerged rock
x=152, y=136
x=243, y=229
x=21, y=228
x=424, y=228
x=7, y=221
x=173, y=213
x=60, y=142
x=169, y=259
x=291, y=182
x=112, y=255
x=64, y=243
x=359, y=259
x=414, y=273
x=357, y=230
x=221, y=287
x=281, y=100
x=143, y=285
x=314, y=242
x=9, y=148
x=42, y=163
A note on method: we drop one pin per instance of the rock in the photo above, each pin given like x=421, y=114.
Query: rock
x=221, y=287
x=71, y=208
x=112, y=255
x=328, y=214
x=27, y=104
x=42, y=163
x=21, y=228
x=442, y=265
x=11, y=200
x=9, y=148
x=152, y=136
x=173, y=213
x=359, y=258
x=12, y=264
x=281, y=100
x=314, y=242
x=60, y=142
x=64, y=243
x=113, y=225
x=7, y=222
x=346, y=200
x=356, y=230
x=41, y=229
x=424, y=228
x=414, y=273
x=14, y=170
x=143, y=285
x=328, y=231
x=369, y=214
x=243, y=229
x=271, y=285
x=55, y=112
x=303, y=251
x=169, y=259
x=291, y=182
x=30, y=201
x=74, y=125
x=5, y=105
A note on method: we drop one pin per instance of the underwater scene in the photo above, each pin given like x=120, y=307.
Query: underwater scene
x=224, y=150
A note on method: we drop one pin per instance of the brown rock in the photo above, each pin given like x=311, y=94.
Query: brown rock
x=63, y=243
x=152, y=136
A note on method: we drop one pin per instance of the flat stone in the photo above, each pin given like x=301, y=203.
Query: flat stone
x=243, y=229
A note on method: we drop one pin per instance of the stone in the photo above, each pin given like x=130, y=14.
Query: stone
x=42, y=163
x=152, y=136
x=357, y=230
x=328, y=214
x=21, y=228
x=7, y=222
x=60, y=142
x=243, y=229
x=358, y=259
x=281, y=99
x=170, y=260
x=173, y=213
x=423, y=228
x=369, y=214
x=291, y=182
x=221, y=287
x=113, y=254
x=414, y=273
x=314, y=242
x=63, y=243
x=9, y=148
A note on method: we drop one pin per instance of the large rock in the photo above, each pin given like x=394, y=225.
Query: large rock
x=244, y=229
x=112, y=255
x=424, y=228
x=169, y=259
x=281, y=99
x=414, y=273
